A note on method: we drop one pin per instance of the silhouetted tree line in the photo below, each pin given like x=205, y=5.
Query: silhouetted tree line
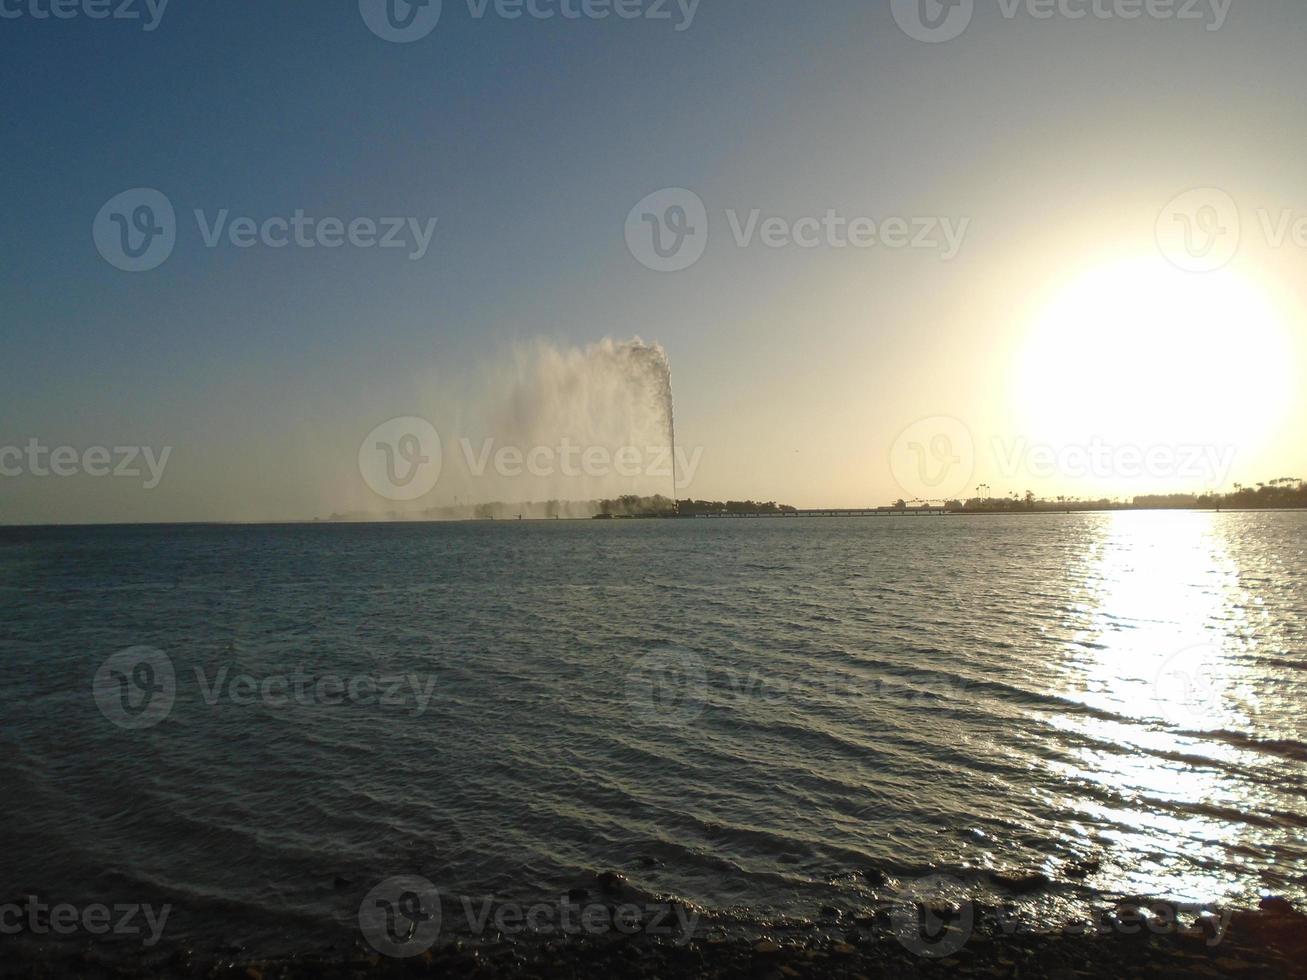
x=631, y=505
x=1286, y=492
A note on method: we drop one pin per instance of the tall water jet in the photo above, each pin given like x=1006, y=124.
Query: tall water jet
x=611, y=398
x=653, y=362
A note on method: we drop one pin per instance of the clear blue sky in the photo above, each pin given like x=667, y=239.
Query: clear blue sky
x=531, y=141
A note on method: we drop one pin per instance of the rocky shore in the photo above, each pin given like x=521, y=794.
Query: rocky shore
x=1270, y=942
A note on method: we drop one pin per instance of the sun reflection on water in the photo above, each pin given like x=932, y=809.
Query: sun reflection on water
x=1159, y=661
x=1167, y=626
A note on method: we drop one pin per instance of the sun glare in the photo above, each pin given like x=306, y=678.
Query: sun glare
x=1141, y=353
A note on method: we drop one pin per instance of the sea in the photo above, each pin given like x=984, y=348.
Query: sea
x=763, y=719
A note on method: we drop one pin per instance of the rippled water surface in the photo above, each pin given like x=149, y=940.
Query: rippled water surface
x=753, y=715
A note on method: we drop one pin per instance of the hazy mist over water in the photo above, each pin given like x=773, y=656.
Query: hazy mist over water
x=610, y=394
x=525, y=428
x=760, y=715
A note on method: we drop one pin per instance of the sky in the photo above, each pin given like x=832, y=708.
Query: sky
x=1023, y=250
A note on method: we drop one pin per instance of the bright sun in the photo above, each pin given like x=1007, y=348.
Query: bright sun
x=1141, y=353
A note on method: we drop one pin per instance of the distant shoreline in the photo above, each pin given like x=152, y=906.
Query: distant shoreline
x=808, y=513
